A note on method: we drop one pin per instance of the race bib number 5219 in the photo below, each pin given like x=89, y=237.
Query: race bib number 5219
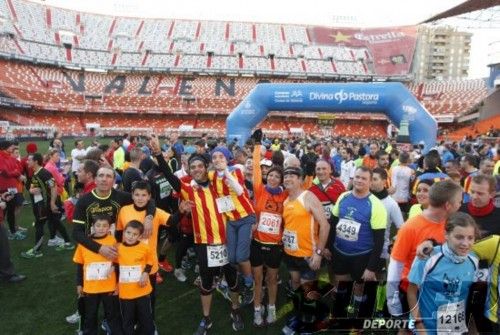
x=217, y=255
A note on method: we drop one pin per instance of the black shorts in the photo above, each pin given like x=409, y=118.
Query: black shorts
x=19, y=199
x=301, y=265
x=173, y=234
x=207, y=274
x=265, y=254
x=354, y=266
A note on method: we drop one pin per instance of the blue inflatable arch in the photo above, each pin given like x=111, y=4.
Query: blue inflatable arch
x=393, y=99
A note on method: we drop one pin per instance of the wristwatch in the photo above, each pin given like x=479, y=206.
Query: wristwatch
x=319, y=252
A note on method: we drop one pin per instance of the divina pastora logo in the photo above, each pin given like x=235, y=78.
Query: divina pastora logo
x=343, y=96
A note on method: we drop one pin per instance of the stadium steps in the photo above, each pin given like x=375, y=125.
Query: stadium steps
x=478, y=128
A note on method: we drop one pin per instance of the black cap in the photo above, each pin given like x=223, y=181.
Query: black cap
x=293, y=170
x=197, y=157
x=5, y=144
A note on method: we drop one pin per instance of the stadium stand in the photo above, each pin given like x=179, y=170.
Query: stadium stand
x=454, y=97
x=252, y=52
x=58, y=36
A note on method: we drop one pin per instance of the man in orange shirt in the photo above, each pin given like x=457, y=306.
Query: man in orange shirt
x=445, y=198
x=305, y=231
x=370, y=159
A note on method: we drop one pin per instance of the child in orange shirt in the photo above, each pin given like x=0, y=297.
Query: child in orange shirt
x=135, y=260
x=96, y=280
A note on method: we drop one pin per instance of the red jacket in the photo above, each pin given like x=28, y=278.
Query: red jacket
x=328, y=196
x=10, y=170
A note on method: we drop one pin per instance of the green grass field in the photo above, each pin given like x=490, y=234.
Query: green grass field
x=40, y=304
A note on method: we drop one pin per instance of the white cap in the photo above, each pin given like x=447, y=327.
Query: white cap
x=266, y=162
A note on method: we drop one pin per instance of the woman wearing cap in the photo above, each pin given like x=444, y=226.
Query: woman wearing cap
x=266, y=248
x=234, y=203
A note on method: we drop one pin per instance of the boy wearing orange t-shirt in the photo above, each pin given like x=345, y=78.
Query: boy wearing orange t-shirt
x=135, y=260
x=96, y=280
x=141, y=194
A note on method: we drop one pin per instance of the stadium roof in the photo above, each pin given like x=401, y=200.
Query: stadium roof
x=465, y=7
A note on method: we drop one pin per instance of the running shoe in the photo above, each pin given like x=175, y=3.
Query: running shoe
x=166, y=266
x=247, y=295
x=180, y=275
x=258, y=317
x=55, y=242
x=237, y=320
x=205, y=325
x=73, y=318
x=271, y=315
x=65, y=246
x=32, y=253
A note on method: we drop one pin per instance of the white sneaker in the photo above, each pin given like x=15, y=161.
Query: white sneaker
x=180, y=275
x=73, y=318
x=258, y=317
x=55, y=242
x=271, y=315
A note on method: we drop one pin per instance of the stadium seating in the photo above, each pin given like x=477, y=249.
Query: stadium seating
x=54, y=35
x=51, y=88
x=454, y=97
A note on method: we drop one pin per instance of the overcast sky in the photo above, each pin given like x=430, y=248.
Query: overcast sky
x=335, y=13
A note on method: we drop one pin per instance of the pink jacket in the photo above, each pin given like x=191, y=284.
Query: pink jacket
x=58, y=177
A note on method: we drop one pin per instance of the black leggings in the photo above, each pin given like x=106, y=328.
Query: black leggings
x=55, y=225
x=137, y=311
x=10, y=213
x=111, y=313
x=185, y=242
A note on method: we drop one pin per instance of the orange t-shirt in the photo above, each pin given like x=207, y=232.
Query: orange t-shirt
x=268, y=207
x=98, y=274
x=132, y=261
x=369, y=162
x=129, y=213
x=410, y=235
x=300, y=235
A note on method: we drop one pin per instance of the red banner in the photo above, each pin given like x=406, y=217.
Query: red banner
x=391, y=48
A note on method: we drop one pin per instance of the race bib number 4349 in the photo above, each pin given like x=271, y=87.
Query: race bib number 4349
x=348, y=230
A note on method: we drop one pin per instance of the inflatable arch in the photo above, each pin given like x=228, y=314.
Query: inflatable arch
x=393, y=99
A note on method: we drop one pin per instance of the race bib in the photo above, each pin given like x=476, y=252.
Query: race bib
x=290, y=240
x=482, y=275
x=37, y=198
x=328, y=211
x=269, y=223
x=348, y=230
x=225, y=204
x=130, y=273
x=451, y=318
x=165, y=189
x=217, y=255
x=97, y=271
